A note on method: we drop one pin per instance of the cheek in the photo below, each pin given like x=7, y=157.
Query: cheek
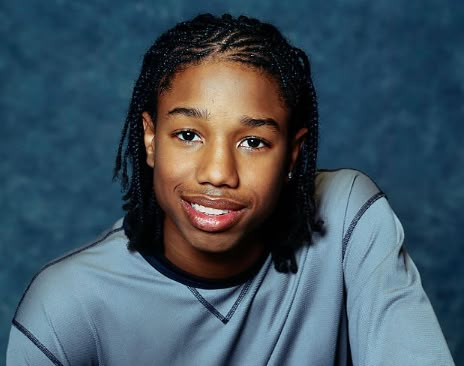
x=166, y=179
x=265, y=180
x=169, y=162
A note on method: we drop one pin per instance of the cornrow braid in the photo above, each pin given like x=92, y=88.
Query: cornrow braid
x=245, y=40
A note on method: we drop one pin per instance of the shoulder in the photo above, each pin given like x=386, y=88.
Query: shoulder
x=348, y=182
x=62, y=280
x=343, y=195
x=357, y=211
x=55, y=311
x=382, y=286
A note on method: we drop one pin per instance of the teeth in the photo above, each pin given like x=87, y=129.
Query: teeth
x=209, y=210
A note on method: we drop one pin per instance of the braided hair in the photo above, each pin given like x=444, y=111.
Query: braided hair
x=258, y=45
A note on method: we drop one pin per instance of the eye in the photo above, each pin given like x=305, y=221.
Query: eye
x=253, y=143
x=188, y=136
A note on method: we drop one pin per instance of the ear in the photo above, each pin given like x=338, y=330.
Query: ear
x=149, y=138
x=295, y=147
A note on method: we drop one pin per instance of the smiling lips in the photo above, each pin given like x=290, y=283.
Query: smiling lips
x=212, y=215
x=209, y=210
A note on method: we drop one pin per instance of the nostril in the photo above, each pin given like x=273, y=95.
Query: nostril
x=218, y=168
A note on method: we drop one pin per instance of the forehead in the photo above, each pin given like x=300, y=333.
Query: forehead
x=229, y=85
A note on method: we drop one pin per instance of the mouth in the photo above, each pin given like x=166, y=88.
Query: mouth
x=212, y=215
x=210, y=211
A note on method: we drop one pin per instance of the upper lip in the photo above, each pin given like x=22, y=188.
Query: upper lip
x=217, y=203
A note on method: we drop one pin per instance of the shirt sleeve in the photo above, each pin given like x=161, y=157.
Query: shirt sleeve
x=51, y=324
x=23, y=351
x=390, y=318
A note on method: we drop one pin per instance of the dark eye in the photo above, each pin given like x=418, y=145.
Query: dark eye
x=189, y=136
x=253, y=143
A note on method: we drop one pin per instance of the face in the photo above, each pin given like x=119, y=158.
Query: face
x=220, y=153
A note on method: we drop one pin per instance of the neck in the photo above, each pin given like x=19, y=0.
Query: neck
x=212, y=265
x=211, y=262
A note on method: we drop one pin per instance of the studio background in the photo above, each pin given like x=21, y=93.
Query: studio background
x=390, y=79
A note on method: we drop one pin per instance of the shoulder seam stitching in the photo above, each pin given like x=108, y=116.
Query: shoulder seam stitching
x=37, y=343
x=348, y=201
x=59, y=260
x=356, y=219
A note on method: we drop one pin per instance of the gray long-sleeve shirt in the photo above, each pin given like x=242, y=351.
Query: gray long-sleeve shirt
x=357, y=297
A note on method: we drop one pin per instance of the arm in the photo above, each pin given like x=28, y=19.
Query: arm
x=51, y=325
x=25, y=349
x=391, y=321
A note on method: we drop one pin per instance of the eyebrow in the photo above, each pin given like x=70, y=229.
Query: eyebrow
x=245, y=120
x=257, y=122
x=190, y=112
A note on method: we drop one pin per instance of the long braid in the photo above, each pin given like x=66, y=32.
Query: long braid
x=243, y=40
x=311, y=145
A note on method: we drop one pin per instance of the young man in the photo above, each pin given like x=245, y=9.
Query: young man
x=234, y=250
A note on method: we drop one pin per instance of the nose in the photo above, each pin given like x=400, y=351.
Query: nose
x=218, y=165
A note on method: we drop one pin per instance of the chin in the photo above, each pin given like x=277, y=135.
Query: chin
x=215, y=246
x=220, y=244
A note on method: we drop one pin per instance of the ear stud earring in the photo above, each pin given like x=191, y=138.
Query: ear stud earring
x=290, y=175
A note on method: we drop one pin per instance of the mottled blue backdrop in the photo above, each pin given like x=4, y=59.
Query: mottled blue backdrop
x=390, y=76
